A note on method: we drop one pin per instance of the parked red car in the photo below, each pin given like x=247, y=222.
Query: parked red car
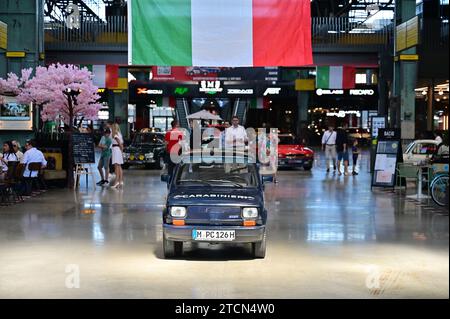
x=293, y=154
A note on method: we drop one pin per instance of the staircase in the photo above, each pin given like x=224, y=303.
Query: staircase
x=240, y=110
x=182, y=112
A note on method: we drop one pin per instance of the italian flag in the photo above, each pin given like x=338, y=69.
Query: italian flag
x=104, y=76
x=260, y=103
x=335, y=77
x=219, y=32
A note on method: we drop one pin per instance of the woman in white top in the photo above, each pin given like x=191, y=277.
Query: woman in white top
x=117, y=155
x=8, y=156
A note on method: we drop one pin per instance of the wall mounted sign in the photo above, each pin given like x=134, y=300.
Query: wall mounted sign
x=361, y=92
x=344, y=113
x=15, y=116
x=181, y=90
x=272, y=91
x=210, y=87
x=149, y=91
x=329, y=92
x=240, y=91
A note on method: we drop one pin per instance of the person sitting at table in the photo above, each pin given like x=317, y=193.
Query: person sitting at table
x=32, y=155
x=8, y=156
x=18, y=150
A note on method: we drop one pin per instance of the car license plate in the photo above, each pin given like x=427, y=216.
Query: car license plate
x=295, y=161
x=213, y=235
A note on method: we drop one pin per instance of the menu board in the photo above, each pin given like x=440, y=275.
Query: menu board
x=388, y=153
x=83, y=151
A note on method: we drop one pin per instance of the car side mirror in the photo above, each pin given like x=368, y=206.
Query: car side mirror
x=165, y=178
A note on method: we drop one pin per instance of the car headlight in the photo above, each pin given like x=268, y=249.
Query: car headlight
x=126, y=155
x=177, y=211
x=250, y=212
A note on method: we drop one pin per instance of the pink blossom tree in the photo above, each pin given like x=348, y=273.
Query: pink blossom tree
x=53, y=89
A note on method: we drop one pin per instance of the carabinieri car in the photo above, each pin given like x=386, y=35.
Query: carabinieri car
x=215, y=202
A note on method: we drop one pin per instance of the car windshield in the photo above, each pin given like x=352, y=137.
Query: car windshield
x=151, y=138
x=217, y=174
x=287, y=140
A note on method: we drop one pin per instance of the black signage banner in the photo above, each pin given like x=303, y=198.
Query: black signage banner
x=83, y=151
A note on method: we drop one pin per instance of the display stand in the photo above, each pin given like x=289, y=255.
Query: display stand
x=84, y=169
x=387, y=154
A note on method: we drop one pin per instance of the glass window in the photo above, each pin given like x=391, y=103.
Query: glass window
x=361, y=78
x=217, y=174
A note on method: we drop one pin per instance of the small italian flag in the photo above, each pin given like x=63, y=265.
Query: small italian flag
x=104, y=76
x=335, y=77
x=260, y=103
x=215, y=33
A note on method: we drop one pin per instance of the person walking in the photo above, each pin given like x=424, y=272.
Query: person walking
x=342, y=150
x=355, y=154
x=117, y=156
x=172, y=139
x=103, y=163
x=329, y=147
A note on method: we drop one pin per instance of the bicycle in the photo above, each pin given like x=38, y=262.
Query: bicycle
x=439, y=189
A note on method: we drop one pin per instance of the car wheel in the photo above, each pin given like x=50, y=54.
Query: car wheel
x=307, y=167
x=259, y=248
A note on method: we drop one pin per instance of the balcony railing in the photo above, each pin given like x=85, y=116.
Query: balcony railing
x=341, y=32
x=325, y=31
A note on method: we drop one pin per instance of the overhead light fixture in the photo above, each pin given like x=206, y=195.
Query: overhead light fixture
x=424, y=92
x=441, y=92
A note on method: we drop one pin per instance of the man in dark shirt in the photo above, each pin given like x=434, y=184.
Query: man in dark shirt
x=342, y=149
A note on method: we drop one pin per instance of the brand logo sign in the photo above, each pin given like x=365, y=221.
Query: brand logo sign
x=329, y=92
x=181, y=90
x=149, y=91
x=210, y=87
x=362, y=92
x=344, y=113
x=272, y=91
x=213, y=196
x=240, y=91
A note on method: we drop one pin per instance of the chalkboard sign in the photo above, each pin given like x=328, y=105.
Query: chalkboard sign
x=388, y=154
x=83, y=148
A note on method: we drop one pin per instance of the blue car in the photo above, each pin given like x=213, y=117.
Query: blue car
x=215, y=202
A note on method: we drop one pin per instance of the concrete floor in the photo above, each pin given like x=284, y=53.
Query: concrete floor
x=328, y=237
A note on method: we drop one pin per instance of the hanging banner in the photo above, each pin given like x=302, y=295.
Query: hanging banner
x=219, y=33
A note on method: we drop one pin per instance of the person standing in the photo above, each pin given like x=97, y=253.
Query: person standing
x=329, y=147
x=117, y=156
x=235, y=135
x=103, y=163
x=438, y=138
x=172, y=139
x=342, y=150
x=355, y=154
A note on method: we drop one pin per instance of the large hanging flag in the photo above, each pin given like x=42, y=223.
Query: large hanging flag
x=219, y=32
x=335, y=77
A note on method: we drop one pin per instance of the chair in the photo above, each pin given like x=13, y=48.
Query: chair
x=408, y=172
x=33, y=181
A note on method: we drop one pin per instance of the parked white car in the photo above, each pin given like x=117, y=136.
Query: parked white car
x=419, y=150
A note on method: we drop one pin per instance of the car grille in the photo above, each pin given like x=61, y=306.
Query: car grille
x=214, y=215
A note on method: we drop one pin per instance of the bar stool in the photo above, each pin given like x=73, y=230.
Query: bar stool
x=33, y=181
